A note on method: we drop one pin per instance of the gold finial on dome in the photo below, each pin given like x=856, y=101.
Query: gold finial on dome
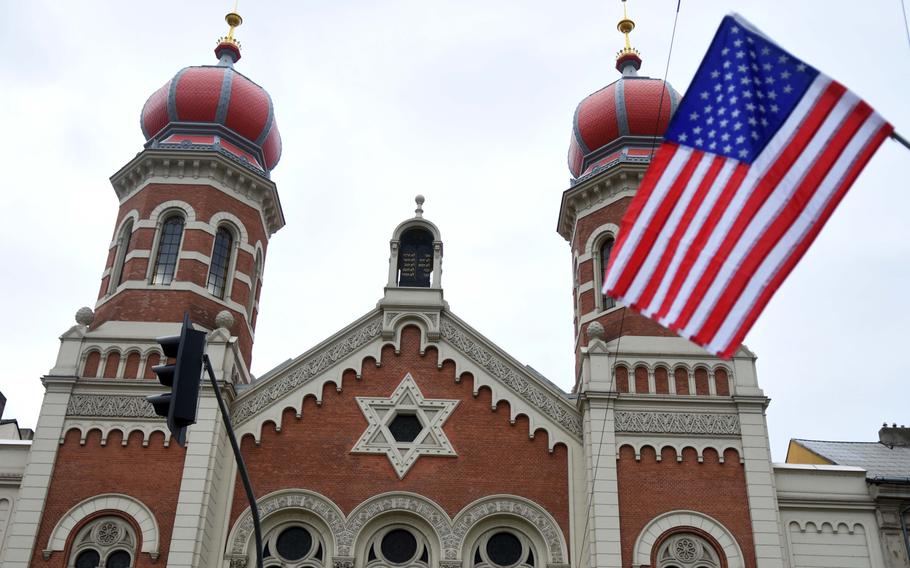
x=625, y=26
x=233, y=20
x=228, y=50
x=628, y=60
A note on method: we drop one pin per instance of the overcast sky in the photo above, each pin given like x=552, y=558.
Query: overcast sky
x=469, y=103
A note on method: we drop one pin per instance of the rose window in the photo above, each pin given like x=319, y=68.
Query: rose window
x=687, y=551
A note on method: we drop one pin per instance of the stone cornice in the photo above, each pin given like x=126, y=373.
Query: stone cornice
x=185, y=167
x=600, y=188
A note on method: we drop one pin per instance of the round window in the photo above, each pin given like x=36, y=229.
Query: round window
x=504, y=549
x=399, y=546
x=88, y=559
x=294, y=543
x=118, y=559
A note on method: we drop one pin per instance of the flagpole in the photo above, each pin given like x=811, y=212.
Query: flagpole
x=901, y=140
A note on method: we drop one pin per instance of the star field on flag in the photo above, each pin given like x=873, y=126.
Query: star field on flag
x=759, y=153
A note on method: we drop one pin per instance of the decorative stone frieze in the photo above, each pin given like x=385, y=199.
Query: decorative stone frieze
x=110, y=406
x=678, y=423
x=516, y=507
x=423, y=508
x=304, y=371
x=558, y=410
x=316, y=504
x=451, y=533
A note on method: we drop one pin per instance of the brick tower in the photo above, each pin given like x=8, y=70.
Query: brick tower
x=641, y=388
x=197, y=206
x=197, y=209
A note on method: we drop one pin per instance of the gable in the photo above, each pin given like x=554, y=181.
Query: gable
x=443, y=336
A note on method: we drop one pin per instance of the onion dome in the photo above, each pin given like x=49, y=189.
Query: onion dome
x=214, y=107
x=620, y=121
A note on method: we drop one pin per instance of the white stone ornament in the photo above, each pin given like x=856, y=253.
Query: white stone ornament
x=85, y=316
x=224, y=319
x=408, y=400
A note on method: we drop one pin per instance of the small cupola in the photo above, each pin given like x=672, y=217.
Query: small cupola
x=415, y=262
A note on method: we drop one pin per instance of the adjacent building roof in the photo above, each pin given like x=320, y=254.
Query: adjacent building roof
x=879, y=460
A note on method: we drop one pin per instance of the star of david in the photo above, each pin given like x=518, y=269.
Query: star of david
x=396, y=415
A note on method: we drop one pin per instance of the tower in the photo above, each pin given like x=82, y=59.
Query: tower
x=197, y=207
x=675, y=440
x=196, y=210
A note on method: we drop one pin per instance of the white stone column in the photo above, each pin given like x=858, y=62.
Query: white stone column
x=602, y=538
x=208, y=470
x=760, y=488
x=189, y=547
x=23, y=529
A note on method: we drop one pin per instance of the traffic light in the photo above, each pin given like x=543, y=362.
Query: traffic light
x=183, y=376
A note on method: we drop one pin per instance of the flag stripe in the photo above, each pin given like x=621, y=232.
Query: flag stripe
x=689, y=258
x=750, y=197
x=774, y=276
x=767, y=200
x=703, y=207
x=669, y=160
x=788, y=211
x=658, y=221
x=682, y=218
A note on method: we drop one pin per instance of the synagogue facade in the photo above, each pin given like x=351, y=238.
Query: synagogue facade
x=406, y=439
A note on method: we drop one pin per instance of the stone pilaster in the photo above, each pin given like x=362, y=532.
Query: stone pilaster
x=23, y=529
x=602, y=538
x=760, y=488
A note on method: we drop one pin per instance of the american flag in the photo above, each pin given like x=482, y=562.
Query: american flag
x=759, y=153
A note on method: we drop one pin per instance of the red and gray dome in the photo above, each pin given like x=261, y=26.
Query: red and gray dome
x=617, y=116
x=214, y=106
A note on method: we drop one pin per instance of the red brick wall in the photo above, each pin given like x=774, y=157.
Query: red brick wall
x=204, y=199
x=649, y=488
x=493, y=456
x=624, y=322
x=151, y=475
x=168, y=305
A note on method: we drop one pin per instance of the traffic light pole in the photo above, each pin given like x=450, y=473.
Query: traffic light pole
x=241, y=466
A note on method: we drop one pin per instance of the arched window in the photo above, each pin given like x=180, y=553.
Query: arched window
x=123, y=246
x=255, y=282
x=168, y=249
x=221, y=262
x=503, y=548
x=606, y=247
x=415, y=258
x=107, y=542
x=293, y=545
x=687, y=551
x=398, y=545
